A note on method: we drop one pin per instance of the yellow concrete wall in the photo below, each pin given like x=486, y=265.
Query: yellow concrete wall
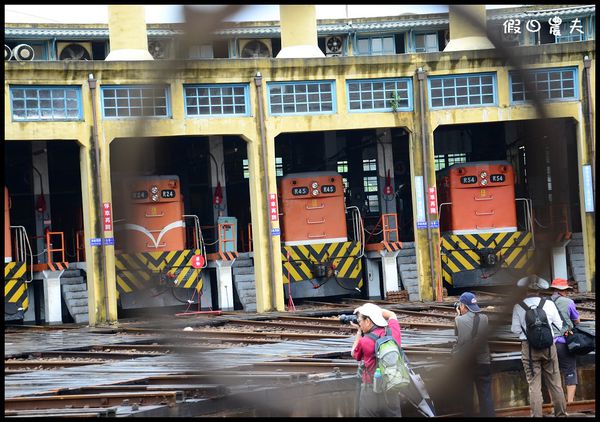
x=175, y=74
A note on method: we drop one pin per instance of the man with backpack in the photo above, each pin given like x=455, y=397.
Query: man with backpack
x=532, y=320
x=373, y=323
x=567, y=361
x=472, y=328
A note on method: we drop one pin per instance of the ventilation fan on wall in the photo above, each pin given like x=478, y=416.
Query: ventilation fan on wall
x=23, y=52
x=334, y=46
x=255, y=48
x=158, y=49
x=74, y=51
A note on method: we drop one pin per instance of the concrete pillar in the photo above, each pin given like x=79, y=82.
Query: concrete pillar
x=225, y=284
x=385, y=162
x=299, y=31
x=389, y=267
x=331, y=148
x=216, y=174
x=127, y=33
x=559, y=261
x=465, y=33
x=41, y=184
x=52, y=297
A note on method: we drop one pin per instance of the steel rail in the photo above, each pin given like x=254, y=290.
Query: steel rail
x=169, y=398
x=200, y=332
x=582, y=406
x=339, y=327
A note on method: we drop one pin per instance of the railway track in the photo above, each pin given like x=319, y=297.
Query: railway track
x=200, y=389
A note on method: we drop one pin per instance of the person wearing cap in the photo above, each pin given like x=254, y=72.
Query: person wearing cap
x=471, y=327
x=567, y=361
x=372, y=318
x=538, y=363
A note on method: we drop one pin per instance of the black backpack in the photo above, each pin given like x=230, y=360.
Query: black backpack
x=537, y=328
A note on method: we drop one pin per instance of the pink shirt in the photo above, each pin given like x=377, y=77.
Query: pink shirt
x=365, y=349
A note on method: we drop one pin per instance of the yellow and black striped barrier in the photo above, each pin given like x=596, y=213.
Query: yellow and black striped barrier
x=392, y=246
x=341, y=257
x=139, y=271
x=228, y=256
x=15, y=288
x=513, y=250
x=58, y=266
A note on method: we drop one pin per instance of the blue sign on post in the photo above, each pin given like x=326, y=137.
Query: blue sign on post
x=434, y=224
x=421, y=224
x=96, y=241
x=275, y=231
x=109, y=240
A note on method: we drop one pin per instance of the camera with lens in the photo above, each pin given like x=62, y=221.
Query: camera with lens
x=456, y=305
x=347, y=319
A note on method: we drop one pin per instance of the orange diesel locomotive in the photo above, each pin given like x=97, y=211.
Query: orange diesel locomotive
x=315, y=245
x=478, y=222
x=155, y=264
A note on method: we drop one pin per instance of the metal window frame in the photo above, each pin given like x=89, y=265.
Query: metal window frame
x=245, y=86
x=76, y=88
x=167, y=92
x=370, y=38
x=409, y=93
x=414, y=39
x=330, y=82
x=537, y=71
x=468, y=96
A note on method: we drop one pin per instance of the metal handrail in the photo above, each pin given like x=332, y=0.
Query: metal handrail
x=198, y=239
x=385, y=224
x=22, y=241
x=357, y=228
x=528, y=215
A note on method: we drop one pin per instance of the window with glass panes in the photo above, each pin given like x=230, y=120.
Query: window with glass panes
x=568, y=33
x=45, y=103
x=216, y=100
x=446, y=160
x=342, y=169
x=370, y=185
x=135, y=101
x=425, y=43
x=377, y=94
x=462, y=90
x=549, y=84
x=278, y=167
x=375, y=46
x=301, y=97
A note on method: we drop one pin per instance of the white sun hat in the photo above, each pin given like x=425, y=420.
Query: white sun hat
x=373, y=312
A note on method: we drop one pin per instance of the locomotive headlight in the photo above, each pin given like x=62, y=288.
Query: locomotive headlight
x=154, y=189
x=483, y=175
x=155, y=197
x=484, y=182
x=314, y=185
x=315, y=192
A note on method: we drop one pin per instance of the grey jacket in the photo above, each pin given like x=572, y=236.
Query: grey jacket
x=464, y=329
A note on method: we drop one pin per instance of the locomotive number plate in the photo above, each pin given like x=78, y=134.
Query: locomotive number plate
x=167, y=193
x=328, y=189
x=139, y=194
x=497, y=178
x=303, y=190
x=468, y=180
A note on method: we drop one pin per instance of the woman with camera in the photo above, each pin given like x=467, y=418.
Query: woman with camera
x=372, y=318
